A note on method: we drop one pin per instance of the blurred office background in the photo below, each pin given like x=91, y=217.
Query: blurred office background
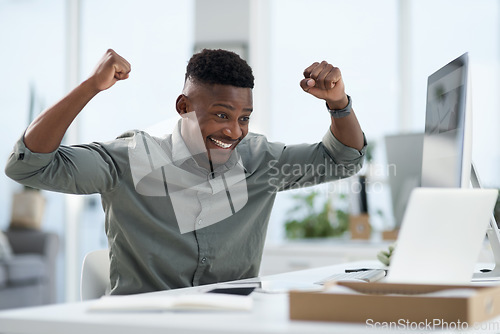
x=385, y=49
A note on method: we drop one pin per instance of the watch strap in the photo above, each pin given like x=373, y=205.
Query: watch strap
x=339, y=113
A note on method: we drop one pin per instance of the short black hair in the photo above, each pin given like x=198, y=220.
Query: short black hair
x=220, y=67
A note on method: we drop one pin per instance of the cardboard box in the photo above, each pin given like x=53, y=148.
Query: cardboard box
x=390, y=234
x=360, y=227
x=403, y=304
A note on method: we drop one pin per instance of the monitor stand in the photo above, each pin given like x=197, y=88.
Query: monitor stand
x=493, y=235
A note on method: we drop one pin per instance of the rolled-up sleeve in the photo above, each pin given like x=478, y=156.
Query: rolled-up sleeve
x=24, y=157
x=79, y=169
x=305, y=165
x=341, y=153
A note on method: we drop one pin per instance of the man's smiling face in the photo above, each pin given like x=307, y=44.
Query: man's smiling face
x=223, y=114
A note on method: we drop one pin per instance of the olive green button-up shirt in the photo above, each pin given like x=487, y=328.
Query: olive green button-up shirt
x=171, y=223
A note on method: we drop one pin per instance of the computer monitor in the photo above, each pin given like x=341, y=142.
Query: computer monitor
x=404, y=167
x=447, y=145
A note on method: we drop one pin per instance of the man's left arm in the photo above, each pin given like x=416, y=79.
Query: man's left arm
x=324, y=81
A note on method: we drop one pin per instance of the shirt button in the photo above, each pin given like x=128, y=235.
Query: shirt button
x=200, y=221
x=204, y=260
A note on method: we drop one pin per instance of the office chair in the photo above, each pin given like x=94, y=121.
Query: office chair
x=94, y=281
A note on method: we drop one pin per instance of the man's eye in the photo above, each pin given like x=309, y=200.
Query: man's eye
x=245, y=118
x=223, y=116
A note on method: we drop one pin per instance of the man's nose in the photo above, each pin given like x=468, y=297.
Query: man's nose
x=232, y=130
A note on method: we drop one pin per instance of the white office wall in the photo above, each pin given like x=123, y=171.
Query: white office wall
x=357, y=36
x=369, y=40
x=221, y=21
x=360, y=37
x=32, y=53
x=156, y=37
x=443, y=30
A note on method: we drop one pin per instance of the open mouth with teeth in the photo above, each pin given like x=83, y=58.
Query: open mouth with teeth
x=220, y=143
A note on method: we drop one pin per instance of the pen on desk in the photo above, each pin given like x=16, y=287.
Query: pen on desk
x=356, y=270
x=363, y=269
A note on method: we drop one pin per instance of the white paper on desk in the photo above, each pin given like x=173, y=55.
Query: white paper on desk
x=203, y=301
x=451, y=293
x=271, y=286
x=341, y=290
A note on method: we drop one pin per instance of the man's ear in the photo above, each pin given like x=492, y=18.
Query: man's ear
x=181, y=104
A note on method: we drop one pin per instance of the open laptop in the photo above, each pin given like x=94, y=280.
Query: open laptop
x=441, y=235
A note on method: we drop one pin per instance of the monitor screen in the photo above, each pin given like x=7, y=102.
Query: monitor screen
x=404, y=162
x=447, y=145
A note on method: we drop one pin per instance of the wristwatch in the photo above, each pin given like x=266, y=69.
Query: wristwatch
x=339, y=113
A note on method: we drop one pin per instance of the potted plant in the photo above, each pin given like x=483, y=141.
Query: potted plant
x=314, y=222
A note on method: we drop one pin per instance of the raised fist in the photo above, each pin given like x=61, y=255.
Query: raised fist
x=111, y=68
x=324, y=81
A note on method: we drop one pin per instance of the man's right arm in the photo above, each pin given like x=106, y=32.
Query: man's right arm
x=45, y=133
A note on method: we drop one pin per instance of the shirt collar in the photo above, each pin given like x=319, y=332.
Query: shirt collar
x=180, y=151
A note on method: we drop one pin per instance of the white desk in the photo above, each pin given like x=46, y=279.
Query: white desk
x=269, y=315
x=305, y=254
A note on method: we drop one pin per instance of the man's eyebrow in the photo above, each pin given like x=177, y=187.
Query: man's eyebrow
x=227, y=106
x=230, y=107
